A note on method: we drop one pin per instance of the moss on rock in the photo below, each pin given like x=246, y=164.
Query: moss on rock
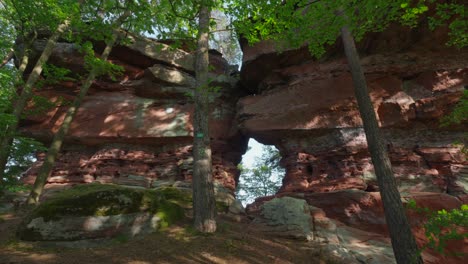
x=106, y=199
x=104, y=205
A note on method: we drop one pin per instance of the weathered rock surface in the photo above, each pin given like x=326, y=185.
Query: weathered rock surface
x=97, y=211
x=93, y=227
x=288, y=217
x=292, y=217
x=88, y=214
x=306, y=108
x=137, y=129
x=351, y=223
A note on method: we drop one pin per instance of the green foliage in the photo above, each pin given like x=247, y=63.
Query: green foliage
x=21, y=158
x=7, y=95
x=262, y=180
x=292, y=24
x=19, y=187
x=455, y=15
x=99, y=66
x=22, y=149
x=443, y=226
x=411, y=12
x=317, y=23
x=459, y=114
x=54, y=75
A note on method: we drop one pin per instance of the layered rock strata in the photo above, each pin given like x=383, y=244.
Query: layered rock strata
x=306, y=108
x=137, y=130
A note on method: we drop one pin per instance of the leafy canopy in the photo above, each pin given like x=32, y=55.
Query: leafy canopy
x=317, y=23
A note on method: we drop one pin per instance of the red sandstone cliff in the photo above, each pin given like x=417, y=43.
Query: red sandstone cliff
x=306, y=108
x=137, y=129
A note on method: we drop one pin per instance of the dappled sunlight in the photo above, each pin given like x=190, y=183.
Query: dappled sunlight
x=163, y=52
x=139, y=117
x=445, y=79
x=172, y=76
x=29, y=257
x=366, y=245
x=233, y=243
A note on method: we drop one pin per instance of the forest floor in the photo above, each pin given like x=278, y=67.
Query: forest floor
x=234, y=242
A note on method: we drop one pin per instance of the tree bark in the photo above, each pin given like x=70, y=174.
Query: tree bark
x=26, y=95
x=204, y=205
x=8, y=141
x=403, y=242
x=56, y=145
x=8, y=57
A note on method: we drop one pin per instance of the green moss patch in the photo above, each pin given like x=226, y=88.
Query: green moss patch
x=106, y=199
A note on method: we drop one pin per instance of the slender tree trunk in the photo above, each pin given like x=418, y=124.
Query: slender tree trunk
x=204, y=205
x=56, y=145
x=6, y=139
x=26, y=95
x=23, y=64
x=8, y=57
x=403, y=242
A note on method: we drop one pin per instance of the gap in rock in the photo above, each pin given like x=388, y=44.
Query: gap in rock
x=261, y=174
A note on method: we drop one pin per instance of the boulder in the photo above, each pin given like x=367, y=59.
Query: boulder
x=351, y=224
x=288, y=217
x=172, y=76
x=96, y=211
x=292, y=217
x=161, y=52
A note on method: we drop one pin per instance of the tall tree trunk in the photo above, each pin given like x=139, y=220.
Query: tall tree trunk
x=7, y=139
x=56, y=145
x=204, y=206
x=403, y=242
x=26, y=95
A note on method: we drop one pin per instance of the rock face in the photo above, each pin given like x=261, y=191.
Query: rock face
x=288, y=217
x=98, y=211
x=87, y=214
x=351, y=223
x=306, y=108
x=137, y=129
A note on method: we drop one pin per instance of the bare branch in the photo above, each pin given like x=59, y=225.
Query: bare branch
x=222, y=30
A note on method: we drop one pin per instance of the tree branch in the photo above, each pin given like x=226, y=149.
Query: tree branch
x=8, y=57
x=222, y=30
x=174, y=11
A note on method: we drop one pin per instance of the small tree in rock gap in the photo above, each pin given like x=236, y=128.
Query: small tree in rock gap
x=263, y=179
